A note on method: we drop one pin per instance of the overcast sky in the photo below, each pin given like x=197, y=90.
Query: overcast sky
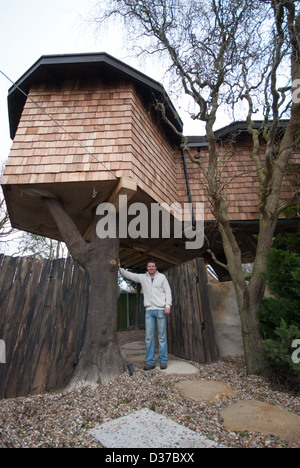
x=32, y=28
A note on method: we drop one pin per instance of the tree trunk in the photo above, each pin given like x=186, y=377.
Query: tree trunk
x=100, y=358
x=248, y=305
x=254, y=356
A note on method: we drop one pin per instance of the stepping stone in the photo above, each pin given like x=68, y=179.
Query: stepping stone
x=257, y=416
x=136, y=352
x=180, y=368
x=133, y=352
x=147, y=429
x=136, y=345
x=135, y=357
x=204, y=390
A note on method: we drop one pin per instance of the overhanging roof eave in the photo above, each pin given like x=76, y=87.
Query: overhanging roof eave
x=57, y=67
x=222, y=133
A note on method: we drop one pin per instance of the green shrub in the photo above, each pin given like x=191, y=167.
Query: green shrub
x=279, y=350
x=279, y=316
x=282, y=277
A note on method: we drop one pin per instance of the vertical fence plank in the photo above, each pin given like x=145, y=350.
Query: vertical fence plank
x=7, y=318
x=53, y=334
x=43, y=308
x=39, y=350
x=208, y=336
x=190, y=332
x=207, y=332
x=18, y=330
x=31, y=314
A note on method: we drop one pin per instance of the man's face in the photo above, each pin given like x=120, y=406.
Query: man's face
x=151, y=267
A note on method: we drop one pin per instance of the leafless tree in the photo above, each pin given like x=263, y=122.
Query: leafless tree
x=32, y=245
x=243, y=55
x=5, y=228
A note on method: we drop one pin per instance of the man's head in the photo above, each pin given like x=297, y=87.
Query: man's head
x=151, y=267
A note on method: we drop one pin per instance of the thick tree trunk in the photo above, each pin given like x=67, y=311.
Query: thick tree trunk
x=254, y=356
x=100, y=359
x=248, y=302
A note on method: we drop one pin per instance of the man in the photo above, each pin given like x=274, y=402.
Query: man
x=157, y=301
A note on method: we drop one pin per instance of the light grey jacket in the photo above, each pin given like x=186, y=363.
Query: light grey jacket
x=157, y=293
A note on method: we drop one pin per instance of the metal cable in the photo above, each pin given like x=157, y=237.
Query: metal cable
x=57, y=123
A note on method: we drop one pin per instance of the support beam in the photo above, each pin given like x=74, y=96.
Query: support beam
x=157, y=254
x=126, y=186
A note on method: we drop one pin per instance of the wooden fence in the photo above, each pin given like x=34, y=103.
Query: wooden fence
x=43, y=306
x=190, y=327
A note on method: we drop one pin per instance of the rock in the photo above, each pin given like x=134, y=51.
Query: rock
x=204, y=390
x=136, y=352
x=257, y=416
x=134, y=346
x=180, y=368
x=147, y=429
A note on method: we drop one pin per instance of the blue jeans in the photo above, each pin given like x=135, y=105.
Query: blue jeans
x=160, y=318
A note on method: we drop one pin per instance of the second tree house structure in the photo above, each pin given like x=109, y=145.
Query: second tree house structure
x=85, y=129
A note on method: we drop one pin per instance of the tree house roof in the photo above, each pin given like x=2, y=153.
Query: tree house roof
x=57, y=68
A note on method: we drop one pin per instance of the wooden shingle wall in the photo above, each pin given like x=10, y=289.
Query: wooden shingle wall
x=238, y=177
x=111, y=123
x=114, y=126
x=157, y=164
x=96, y=115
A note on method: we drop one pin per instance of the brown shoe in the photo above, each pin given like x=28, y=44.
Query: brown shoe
x=163, y=365
x=149, y=367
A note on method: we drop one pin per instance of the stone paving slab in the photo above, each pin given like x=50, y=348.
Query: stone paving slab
x=180, y=368
x=136, y=345
x=204, y=390
x=257, y=416
x=133, y=352
x=147, y=429
x=136, y=351
x=135, y=357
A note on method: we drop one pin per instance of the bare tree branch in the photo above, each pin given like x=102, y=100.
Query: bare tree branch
x=223, y=53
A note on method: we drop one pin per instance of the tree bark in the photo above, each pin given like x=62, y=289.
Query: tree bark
x=248, y=298
x=100, y=358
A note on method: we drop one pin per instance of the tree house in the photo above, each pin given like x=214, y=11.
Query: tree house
x=85, y=130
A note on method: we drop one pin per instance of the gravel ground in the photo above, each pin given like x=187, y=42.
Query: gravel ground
x=62, y=420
